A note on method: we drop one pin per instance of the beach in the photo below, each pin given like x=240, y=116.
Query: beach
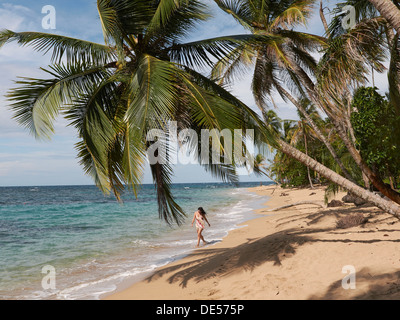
x=296, y=253
x=95, y=244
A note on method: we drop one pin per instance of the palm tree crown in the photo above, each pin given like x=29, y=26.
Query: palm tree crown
x=141, y=79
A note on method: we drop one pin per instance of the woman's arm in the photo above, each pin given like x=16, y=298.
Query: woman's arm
x=207, y=221
x=194, y=218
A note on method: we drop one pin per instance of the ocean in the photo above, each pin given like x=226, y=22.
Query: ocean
x=91, y=244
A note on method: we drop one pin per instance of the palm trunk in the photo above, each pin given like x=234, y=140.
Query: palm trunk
x=366, y=181
x=269, y=176
x=389, y=11
x=348, y=116
x=391, y=182
x=318, y=132
x=386, y=205
x=308, y=169
x=372, y=176
x=323, y=19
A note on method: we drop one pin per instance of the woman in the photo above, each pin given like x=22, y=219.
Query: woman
x=200, y=217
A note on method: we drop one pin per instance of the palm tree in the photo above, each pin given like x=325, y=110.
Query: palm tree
x=390, y=10
x=303, y=130
x=277, y=63
x=261, y=168
x=343, y=67
x=274, y=124
x=272, y=120
x=290, y=55
x=387, y=206
x=281, y=160
x=115, y=94
x=368, y=17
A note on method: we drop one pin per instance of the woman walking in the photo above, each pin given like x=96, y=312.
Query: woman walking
x=200, y=217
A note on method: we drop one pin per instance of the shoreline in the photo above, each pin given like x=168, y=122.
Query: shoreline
x=247, y=212
x=109, y=244
x=297, y=253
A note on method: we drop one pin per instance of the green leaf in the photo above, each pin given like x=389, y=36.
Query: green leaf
x=74, y=50
x=37, y=102
x=169, y=210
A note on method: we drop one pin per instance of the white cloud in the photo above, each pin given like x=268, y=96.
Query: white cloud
x=17, y=17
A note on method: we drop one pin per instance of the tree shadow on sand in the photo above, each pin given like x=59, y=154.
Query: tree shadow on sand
x=209, y=263
x=384, y=286
x=212, y=262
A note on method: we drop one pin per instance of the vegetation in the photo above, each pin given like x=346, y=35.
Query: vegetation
x=289, y=172
x=145, y=76
x=376, y=131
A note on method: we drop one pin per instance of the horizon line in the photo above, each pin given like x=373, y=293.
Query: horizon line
x=143, y=184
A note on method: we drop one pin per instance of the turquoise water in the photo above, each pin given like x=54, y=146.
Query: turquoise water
x=94, y=243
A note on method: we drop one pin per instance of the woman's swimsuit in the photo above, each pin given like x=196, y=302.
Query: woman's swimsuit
x=199, y=223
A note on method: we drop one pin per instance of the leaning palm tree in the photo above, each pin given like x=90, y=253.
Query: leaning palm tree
x=117, y=93
x=291, y=56
x=384, y=204
x=346, y=61
x=279, y=65
x=289, y=59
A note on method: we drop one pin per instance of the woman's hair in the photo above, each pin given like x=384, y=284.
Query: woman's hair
x=202, y=212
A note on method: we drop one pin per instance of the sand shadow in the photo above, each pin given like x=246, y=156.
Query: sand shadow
x=204, y=264
x=384, y=286
x=211, y=262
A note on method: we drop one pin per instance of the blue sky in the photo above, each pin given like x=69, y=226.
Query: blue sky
x=25, y=161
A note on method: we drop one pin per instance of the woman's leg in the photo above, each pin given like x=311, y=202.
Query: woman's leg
x=198, y=237
x=201, y=236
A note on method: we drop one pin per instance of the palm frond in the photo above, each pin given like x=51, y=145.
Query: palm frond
x=173, y=20
x=346, y=60
x=303, y=40
x=296, y=13
x=239, y=9
x=90, y=114
x=133, y=157
x=363, y=9
x=31, y=107
x=207, y=52
x=37, y=102
x=153, y=93
x=74, y=50
x=234, y=64
x=111, y=13
x=168, y=209
x=247, y=117
x=92, y=168
x=223, y=172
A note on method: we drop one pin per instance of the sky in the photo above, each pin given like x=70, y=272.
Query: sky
x=25, y=161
